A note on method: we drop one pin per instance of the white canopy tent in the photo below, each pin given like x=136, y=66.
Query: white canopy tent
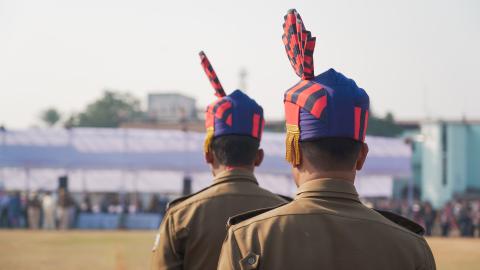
x=98, y=159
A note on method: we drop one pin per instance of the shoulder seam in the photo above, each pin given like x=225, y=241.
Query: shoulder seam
x=401, y=221
x=240, y=225
x=250, y=214
x=186, y=197
x=177, y=207
x=183, y=198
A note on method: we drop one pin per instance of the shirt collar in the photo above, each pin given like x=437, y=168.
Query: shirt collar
x=327, y=187
x=235, y=174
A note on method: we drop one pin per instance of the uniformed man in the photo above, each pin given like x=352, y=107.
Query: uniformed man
x=325, y=226
x=193, y=228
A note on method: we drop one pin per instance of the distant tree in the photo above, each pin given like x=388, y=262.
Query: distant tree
x=377, y=126
x=50, y=116
x=71, y=121
x=111, y=110
x=386, y=126
x=275, y=126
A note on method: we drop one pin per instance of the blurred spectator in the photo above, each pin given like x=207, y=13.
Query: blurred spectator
x=465, y=219
x=24, y=204
x=114, y=206
x=4, y=201
x=33, y=211
x=48, y=207
x=86, y=205
x=14, y=210
x=134, y=204
x=446, y=219
x=429, y=216
x=65, y=209
x=154, y=205
x=476, y=218
x=417, y=213
x=96, y=208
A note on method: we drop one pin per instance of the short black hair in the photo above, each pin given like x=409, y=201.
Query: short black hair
x=331, y=154
x=235, y=150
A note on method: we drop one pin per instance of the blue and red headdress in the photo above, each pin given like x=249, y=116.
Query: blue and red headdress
x=327, y=105
x=235, y=114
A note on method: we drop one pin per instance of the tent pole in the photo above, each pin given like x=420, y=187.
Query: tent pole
x=84, y=181
x=2, y=151
x=27, y=178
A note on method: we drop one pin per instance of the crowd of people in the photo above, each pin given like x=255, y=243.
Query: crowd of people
x=59, y=210
x=459, y=217
x=35, y=210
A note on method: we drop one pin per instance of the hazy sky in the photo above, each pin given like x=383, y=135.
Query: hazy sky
x=415, y=58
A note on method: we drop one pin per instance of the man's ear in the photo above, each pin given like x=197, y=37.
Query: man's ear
x=209, y=157
x=297, y=166
x=362, y=156
x=296, y=174
x=259, y=157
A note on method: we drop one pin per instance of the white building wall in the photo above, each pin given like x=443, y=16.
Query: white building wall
x=171, y=107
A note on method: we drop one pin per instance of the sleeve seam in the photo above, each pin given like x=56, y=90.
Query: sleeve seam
x=171, y=228
x=235, y=245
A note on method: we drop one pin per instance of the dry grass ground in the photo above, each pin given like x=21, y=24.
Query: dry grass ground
x=119, y=250
x=456, y=253
x=115, y=250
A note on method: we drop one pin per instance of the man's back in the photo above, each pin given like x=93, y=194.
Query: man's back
x=325, y=227
x=193, y=229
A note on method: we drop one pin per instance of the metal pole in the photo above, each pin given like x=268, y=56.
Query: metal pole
x=71, y=146
x=410, y=192
x=27, y=178
x=2, y=151
x=84, y=181
x=410, y=179
x=187, y=180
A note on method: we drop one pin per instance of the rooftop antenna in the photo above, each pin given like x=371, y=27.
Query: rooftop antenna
x=242, y=75
x=426, y=110
x=464, y=109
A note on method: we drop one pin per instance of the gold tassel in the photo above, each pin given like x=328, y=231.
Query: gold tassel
x=292, y=144
x=208, y=139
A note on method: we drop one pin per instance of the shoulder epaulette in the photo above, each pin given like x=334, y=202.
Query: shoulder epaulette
x=244, y=216
x=403, y=222
x=177, y=200
x=183, y=198
x=288, y=199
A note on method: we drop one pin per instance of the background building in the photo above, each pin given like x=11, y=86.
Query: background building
x=450, y=160
x=171, y=107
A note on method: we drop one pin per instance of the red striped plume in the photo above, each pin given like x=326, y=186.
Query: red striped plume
x=299, y=45
x=212, y=76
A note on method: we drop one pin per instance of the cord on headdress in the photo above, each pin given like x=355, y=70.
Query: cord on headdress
x=212, y=76
x=299, y=45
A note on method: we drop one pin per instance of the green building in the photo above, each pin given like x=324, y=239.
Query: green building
x=446, y=161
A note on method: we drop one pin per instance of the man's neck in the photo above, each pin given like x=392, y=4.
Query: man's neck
x=304, y=177
x=223, y=168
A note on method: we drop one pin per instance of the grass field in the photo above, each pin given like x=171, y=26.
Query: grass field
x=119, y=250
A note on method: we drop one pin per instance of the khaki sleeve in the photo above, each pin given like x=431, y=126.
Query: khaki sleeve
x=166, y=253
x=429, y=259
x=230, y=254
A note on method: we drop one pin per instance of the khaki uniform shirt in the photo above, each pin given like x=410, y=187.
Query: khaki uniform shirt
x=194, y=227
x=324, y=227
